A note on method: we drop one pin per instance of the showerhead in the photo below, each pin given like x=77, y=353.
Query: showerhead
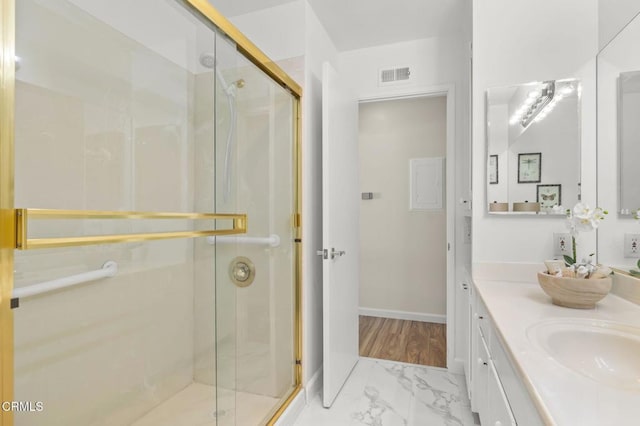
x=208, y=60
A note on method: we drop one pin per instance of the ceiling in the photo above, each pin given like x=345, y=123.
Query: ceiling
x=355, y=24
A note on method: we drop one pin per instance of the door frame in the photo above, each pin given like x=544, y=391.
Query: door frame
x=447, y=90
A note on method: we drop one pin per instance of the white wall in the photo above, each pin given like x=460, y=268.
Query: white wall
x=403, y=252
x=277, y=31
x=612, y=16
x=433, y=62
x=513, y=50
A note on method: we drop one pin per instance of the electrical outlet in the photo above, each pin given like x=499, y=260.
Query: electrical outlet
x=562, y=244
x=632, y=245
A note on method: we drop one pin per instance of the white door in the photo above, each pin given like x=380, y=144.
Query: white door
x=340, y=232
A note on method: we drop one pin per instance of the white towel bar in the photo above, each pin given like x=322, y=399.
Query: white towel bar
x=109, y=269
x=272, y=240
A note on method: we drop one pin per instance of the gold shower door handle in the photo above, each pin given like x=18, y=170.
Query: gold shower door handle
x=23, y=242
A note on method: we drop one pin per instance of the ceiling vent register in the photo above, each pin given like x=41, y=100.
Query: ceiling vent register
x=393, y=75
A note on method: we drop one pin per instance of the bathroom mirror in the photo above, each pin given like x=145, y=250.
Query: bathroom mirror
x=619, y=148
x=629, y=142
x=533, y=147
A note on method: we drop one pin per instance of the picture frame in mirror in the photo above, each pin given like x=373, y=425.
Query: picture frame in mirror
x=549, y=196
x=493, y=170
x=530, y=167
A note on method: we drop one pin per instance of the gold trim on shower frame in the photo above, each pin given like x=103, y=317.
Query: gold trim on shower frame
x=25, y=243
x=7, y=224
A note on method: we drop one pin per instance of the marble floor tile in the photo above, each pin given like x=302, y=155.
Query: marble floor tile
x=388, y=393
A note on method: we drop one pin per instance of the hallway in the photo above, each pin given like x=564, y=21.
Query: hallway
x=414, y=342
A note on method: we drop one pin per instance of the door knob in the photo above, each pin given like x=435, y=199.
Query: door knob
x=337, y=253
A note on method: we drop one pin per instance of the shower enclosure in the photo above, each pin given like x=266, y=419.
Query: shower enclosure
x=149, y=209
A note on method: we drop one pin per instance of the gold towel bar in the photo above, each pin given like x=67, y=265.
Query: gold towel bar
x=25, y=243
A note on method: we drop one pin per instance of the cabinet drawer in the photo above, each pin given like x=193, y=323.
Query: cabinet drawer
x=498, y=408
x=481, y=379
x=523, y=409
x=484, y=323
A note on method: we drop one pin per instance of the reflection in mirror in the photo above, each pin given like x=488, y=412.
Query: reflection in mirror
x=629, y=141
x=533, y=158
x=619, y=148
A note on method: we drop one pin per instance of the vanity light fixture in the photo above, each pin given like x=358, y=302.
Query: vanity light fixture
x=537, y=106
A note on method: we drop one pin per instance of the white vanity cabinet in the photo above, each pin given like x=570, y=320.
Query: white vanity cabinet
x=497, y=393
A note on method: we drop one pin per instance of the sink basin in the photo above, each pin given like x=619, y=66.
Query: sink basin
x=605, y=351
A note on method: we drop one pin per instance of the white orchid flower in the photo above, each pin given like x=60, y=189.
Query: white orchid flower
x=583, y=218
x=581, y=210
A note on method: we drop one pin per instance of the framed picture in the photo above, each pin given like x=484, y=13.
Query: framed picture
x=493, y=169
x=529, y=167
x=549, y=196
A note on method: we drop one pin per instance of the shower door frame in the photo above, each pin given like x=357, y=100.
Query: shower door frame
x=9, y=225
x=7, y=216
x=279, y=76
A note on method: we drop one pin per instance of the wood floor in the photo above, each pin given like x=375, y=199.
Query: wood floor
x=414, y=342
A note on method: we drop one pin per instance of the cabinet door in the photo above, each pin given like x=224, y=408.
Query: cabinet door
x=498, y=409
x=465, y=331
x=480, y=378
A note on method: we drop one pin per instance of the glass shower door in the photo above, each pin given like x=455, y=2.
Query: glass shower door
x=255, y=283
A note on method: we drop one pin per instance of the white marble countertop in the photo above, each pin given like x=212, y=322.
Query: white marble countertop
x=562, y=396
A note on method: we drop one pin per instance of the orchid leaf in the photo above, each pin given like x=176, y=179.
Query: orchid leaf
x=568, y=260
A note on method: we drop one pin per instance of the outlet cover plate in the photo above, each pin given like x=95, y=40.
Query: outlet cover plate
x=632, y=246
x=562, y=244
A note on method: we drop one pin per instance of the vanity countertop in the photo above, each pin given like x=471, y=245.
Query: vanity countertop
x=562, y=396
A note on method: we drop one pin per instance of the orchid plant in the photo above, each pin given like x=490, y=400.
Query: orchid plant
x=582, y=218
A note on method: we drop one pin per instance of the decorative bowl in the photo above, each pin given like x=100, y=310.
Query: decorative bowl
x=578, y=293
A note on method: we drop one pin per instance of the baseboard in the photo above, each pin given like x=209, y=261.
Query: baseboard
x=310, y=391
x=457, y=366
x=293, y=411
x=403, y=315
x=314, y=386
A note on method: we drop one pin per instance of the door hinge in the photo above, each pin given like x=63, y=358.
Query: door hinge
x=448, y=246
